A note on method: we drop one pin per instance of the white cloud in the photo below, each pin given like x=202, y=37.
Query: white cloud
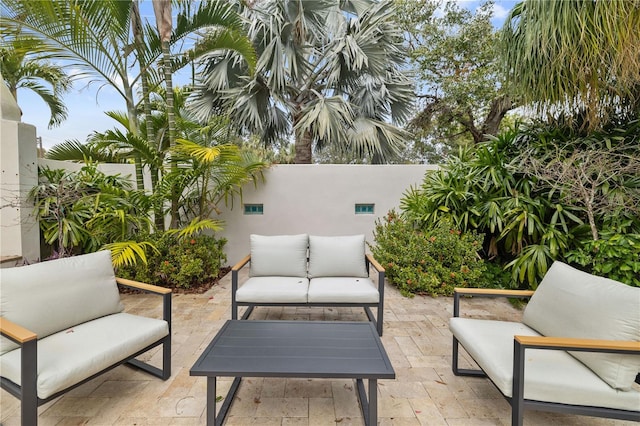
x=499, y=11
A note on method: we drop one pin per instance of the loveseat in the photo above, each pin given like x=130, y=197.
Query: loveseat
x=309, y=270
x=62, y=324
x=577, y=349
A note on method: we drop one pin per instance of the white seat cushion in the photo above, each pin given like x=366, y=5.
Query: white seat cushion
x=279, y=255
x=341, y=256
x=273, y=290
x=72, y=355
x=550, y=375
x=342, y=290
x=573, y=303
x=51, y=296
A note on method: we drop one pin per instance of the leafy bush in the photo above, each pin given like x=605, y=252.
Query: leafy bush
x=81, y=211
x=431, y=261
x=179, y=262
x=615, y=256
x=542, y=193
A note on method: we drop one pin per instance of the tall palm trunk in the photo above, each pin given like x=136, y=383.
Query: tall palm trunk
x=171, y=121
x=304, y=140
x=136, y=27
x=162, y=10
x=133, y=127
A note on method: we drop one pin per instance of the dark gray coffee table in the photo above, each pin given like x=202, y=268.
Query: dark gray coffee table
x=309, y=349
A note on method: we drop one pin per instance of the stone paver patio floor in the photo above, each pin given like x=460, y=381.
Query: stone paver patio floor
x=416, y=337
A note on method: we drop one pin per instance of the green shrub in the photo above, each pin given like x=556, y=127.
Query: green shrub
x=179, y=262
x=615, y=256
x=431, y=261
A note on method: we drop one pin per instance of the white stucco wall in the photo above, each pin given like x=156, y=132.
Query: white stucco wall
x=19, y=232
x=318, y=200
x=125, y=170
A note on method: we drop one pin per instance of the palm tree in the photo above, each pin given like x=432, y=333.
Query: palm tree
x=329, y=72
x=581, y=55
x=102, y=39
x=24, y=64
x=209, y=168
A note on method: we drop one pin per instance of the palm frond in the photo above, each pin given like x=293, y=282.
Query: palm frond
x=74, y=150
x=196, y=226
x=128, y=253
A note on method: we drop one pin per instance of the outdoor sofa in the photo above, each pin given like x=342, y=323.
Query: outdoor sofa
x=309, y=270
x=62, y=325
x=577, y=349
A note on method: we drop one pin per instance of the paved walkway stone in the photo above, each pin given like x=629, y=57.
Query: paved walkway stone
x=416, y=337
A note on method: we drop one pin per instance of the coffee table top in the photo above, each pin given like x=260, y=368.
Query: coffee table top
x=313, y=349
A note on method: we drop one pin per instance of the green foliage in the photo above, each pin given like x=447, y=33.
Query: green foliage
x=329, y=73
x=81, y=211
x=455, y=54
x=25, y=64
x=574, y=57
x=615, y=256
x=542, y=193
x=431, y=261
x=128, y=252
x=179, y=262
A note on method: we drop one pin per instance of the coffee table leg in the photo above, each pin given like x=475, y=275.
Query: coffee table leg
x=369, y=404
x=373, y=401
x=211, y=401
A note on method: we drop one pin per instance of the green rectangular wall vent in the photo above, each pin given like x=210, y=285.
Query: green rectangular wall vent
x=253, y=209
x=364, y=208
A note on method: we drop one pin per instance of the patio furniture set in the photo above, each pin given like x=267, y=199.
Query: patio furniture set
x=62, y=325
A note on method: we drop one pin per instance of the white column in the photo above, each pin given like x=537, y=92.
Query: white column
x=19, y=232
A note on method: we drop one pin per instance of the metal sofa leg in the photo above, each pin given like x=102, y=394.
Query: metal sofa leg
x=454, y=358
x=166, y=345
x=166, y=358
x=462, y=371
x=517, y=394
x=29, y=378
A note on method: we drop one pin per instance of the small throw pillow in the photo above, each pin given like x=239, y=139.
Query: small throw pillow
x=279, y=255
x=341, y=256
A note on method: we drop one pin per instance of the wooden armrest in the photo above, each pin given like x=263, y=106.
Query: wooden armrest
x=485, y=292
x=16, y=332
x=568, y=343
x=240, y=264
x=492, y=292
x=143, y=286
x=374, y=263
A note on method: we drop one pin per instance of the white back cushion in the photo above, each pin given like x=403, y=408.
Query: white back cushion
x=279, y=255
x=573, y=303
x=341, y=256
x=52, y=296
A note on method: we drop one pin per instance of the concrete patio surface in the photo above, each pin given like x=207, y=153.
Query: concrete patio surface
x=416, y=337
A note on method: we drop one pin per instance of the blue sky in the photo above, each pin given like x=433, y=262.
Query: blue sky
x=86, y=103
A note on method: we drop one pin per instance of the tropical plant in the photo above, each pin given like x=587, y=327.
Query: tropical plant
x=25, y=63
x=211, y=168
x=328, y=72
x=105, y=39
x=461, y=91
x=84, y=210
x=537, y=194
x=575, y=57
x=209, y=174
